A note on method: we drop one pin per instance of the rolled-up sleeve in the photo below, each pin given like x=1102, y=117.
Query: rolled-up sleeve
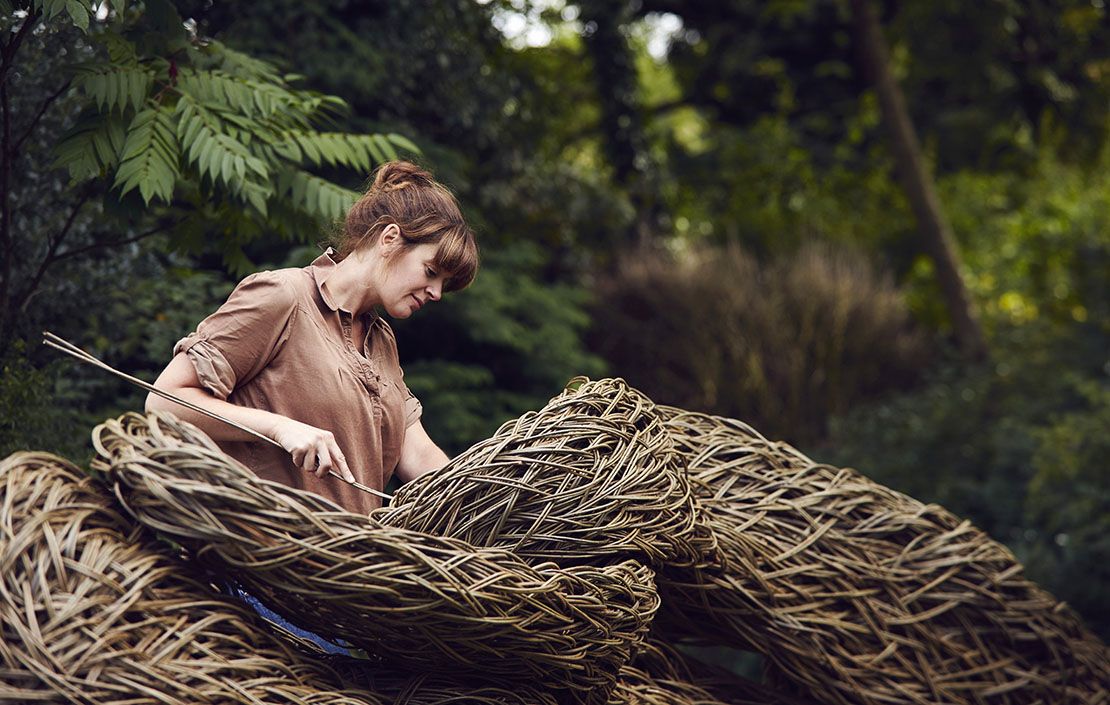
x=232, y=345
x=413, y=408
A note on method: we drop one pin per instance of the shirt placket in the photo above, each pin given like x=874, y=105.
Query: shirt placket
x=362, y=365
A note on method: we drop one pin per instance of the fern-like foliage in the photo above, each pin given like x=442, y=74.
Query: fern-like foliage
x=115, y=87
x=170, y=113
x=151, y=160
x=92, y=147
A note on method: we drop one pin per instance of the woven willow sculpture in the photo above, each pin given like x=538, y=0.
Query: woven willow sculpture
x=523, y=561
x=427, y=602
x=590, y=478
x=858, y=594
x=90, y=612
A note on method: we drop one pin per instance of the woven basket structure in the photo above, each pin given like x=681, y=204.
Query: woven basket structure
x=591, y=478
x=858, y=594
x=424, y=601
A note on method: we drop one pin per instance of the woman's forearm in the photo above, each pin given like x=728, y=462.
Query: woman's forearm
x=312, y=449
x=263, y=422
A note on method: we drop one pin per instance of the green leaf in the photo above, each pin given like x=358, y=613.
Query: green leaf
x=243, y=65
x=79, y=14
x=91, y=147
x=403, y=142
x=165, y=18
x=151, y=156
x=50, y=8
x=212, y=148
x=385, y=146
x=318, y=197
x=115, y=86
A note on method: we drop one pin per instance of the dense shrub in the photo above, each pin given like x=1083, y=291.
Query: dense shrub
x=782, y=345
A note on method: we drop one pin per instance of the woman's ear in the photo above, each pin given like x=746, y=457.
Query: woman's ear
x=390, y=239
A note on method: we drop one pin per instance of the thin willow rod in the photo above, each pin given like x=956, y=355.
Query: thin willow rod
x=63, y=345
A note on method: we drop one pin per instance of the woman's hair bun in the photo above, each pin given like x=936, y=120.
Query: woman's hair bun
x=392, y=176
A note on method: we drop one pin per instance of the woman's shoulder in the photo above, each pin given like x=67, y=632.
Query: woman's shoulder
x=276, y=287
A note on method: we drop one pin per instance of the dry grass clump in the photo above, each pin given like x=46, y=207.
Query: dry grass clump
x=783, y=344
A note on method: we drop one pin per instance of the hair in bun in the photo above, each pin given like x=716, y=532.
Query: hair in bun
x=393, y=176
x=424, y=210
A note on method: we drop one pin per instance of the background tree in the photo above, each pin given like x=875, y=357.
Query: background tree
x=932, y=226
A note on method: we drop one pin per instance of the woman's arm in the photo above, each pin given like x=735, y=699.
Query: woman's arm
x=313, y=449
x=419, y=454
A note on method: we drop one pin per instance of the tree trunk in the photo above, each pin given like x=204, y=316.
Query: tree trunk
x=933, y=228
x=621, y=116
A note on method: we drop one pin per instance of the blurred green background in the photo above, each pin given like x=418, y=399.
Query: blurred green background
x=700, y=196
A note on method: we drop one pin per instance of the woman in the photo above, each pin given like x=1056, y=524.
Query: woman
x=302, y=357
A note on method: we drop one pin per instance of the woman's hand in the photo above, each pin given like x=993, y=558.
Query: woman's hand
x=313, y=449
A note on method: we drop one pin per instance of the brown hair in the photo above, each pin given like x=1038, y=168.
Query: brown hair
x=425, y=212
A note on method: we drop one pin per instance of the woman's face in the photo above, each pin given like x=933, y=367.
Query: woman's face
x=411, y=280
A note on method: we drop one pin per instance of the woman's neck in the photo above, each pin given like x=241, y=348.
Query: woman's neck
x=352, y=285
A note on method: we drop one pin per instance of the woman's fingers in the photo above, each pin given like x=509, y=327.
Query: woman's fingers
x=300, y=455
x=341, y=463
x=314, y=450
x=323, y=459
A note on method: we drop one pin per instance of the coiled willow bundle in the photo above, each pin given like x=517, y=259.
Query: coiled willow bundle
x=424, y=601
x=92, y=612
x=858, y=594
x=592, y=477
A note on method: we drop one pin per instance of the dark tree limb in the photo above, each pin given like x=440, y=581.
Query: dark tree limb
x=38, y=116
x=933, y=228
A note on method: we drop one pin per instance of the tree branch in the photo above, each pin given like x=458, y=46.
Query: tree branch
x=26, y=298
x=38, y=116
x=55, y=242
x=7, y=51
x=115, y=243
x=7, y=154
x=7, y=249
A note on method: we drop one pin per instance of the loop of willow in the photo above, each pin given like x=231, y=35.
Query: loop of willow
x=525, y=571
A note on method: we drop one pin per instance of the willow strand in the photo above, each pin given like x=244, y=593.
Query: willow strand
x=91, y=611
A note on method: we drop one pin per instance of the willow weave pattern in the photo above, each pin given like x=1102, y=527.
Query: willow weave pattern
x=523, y=572
x=592, y=477
x=859, y=594
x=425, y=601
x=92, y=612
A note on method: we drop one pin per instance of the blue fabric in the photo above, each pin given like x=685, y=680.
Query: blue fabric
x=269, y=614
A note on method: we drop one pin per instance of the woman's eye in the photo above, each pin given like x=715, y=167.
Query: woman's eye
x=430, y=272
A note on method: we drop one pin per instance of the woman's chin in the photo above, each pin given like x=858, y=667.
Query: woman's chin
x=401, y=311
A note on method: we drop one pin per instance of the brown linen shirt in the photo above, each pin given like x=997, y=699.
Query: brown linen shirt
x=281, y=344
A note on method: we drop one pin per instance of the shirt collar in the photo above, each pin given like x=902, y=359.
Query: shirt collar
x=323, y=267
